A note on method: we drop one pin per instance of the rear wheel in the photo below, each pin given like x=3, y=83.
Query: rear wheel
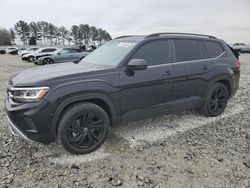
x=47, y=61
x=31, y=58
x=216, y=100
x=83, y=128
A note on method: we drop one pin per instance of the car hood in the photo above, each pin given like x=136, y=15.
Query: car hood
x=28, y=54
x=39, y=75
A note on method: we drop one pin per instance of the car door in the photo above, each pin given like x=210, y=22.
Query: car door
x=62, y=56
x=144, y=92
x=74, y=54
x=191, y=63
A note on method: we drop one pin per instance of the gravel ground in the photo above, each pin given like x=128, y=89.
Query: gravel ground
x=180, y=150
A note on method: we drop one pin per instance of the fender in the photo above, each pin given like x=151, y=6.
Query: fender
x=219, y=74
x=78, y=98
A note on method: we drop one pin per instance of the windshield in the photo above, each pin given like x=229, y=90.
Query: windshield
x=110, y=53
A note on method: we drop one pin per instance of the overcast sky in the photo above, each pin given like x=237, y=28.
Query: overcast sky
x=226, y=19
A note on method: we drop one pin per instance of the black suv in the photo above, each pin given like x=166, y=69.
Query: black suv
x=128, y=78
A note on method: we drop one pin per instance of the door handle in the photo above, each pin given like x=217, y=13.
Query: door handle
x=167, y=73
x=204, y=68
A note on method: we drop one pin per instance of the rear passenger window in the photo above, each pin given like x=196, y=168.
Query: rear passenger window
x=186, y=50
x=155, y=52
x=203, y=51
x=214, y=49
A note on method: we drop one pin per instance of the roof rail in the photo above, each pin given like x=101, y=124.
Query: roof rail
x=191, y=34
x=124, y=36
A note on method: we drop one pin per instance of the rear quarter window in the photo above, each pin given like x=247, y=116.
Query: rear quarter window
x=214, y=49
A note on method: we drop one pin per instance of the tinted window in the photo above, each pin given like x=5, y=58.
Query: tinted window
x=186, y=50
x=214, y=49
x=74, y=51
x=155, y=52
x=64, y=51
x=49, y=50
x=203, y=50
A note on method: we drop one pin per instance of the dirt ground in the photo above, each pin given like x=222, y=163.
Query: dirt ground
x=178, y=150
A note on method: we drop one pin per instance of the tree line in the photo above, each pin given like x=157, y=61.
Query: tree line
x=45, y=33
x=5, y=38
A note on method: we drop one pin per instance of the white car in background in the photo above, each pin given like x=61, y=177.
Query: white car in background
x=238, y=46
x=39, y=53
x=246, y=49
x=11, y=50
x=28, y=50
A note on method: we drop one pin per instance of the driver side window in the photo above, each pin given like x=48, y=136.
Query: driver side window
x=154, y=52
x=64, y=51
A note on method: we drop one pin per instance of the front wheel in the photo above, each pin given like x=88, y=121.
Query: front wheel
x=83, y=128
x=216, y=100
x=47, y=61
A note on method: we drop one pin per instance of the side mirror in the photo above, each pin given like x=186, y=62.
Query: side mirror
x=58, y=53
x=137, y=64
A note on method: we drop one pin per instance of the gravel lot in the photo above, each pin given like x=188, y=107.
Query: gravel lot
x=180, y=150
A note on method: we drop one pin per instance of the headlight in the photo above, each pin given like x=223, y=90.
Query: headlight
x=27, y=94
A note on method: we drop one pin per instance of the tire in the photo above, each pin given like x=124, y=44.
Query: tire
x=83, y=128
x=48, y=61
x=30, y=58
x=215, y=100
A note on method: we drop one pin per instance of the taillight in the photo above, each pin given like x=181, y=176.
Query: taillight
x=237, y=64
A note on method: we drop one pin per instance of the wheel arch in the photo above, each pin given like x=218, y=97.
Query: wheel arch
x=224, y=79
x=47, y=58
x=98, y=99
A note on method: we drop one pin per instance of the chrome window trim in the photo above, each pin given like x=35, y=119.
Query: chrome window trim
x=179, y=62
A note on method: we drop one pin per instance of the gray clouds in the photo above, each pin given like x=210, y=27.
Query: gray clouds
x=227, y=19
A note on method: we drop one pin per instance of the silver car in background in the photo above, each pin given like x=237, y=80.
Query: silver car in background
x=62, y=56
x=38, y=53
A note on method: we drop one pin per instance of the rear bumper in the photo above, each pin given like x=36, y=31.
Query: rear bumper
x=236, y=83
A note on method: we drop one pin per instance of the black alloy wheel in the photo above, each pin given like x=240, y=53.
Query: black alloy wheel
x=216, y=100
x=31, y=58
x=83, y=128
x=47, y=61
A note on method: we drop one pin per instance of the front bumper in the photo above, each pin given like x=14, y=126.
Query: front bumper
x=16, y=132
x=30, y=121
x=38, y=61
x=25, y=58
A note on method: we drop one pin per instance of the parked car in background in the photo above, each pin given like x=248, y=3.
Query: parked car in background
x=91, y=48
x=38, y=53
x=29, y=50
x=238, y=46
x=62, y=56
x=125, y=79
x=2, y=51
x=12, y=50
x=245, y=49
